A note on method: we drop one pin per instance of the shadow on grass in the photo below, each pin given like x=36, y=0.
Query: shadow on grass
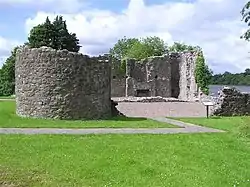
x=124, y=118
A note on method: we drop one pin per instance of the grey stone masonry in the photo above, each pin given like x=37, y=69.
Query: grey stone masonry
x=61, y=84
x=232, y=102
x=149, y=77
x=187, y=84
x=171, y=75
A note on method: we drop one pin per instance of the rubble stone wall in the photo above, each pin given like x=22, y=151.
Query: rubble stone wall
x=61, y=84
x=171, y=75
x=232, y=102
x=152, y=74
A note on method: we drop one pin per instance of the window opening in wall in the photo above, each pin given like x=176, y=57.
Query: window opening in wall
x=143, y=93
x=156, y=76
x=114, y=77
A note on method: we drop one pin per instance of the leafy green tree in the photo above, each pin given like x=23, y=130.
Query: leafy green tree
x=247, y=71
x=155, y=46
x=55, y=35
x=228, y=78
x=202, y=73
x=138, y=48
x=147, y=47
x=245, y=12
x=138, y=51
x=122, y=46
x=180, y=47
x=7, y=75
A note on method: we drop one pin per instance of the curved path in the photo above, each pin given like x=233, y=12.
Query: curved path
x=183, y=128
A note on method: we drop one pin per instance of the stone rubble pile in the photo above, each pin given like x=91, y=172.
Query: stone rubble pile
x=232, y=102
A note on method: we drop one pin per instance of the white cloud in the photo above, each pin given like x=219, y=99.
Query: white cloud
x=6, y=45
x=215, y=25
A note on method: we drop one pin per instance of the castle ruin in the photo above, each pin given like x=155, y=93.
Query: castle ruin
x=67, y=85
x=172, y=75
x=61, y=84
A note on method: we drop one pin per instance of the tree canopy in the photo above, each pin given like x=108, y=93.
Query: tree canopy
x=48, y=34
x=7, y=75
x=228, y=78
x=138, y=48
x=245, y=12
x=180, y=47
x=54, y=35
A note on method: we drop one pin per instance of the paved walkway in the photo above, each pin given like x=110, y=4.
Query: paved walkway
x=183, y=128
x=162, y=109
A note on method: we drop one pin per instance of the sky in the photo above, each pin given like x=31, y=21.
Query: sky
x=214, y=25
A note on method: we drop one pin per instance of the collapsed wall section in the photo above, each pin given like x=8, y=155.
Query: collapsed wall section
x=232, y=102
x=61, y=84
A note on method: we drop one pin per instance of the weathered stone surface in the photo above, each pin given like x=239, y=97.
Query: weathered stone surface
x=232, y=102
x=187, y=84
x=118, y=86
x=150, y=77
x=171, y=75
x=61, y=84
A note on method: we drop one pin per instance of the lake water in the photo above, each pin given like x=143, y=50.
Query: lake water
x=213, y=89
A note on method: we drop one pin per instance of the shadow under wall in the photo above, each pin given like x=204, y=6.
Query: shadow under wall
x=175, y=78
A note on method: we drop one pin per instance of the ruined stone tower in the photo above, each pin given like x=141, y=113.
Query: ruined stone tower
x=61, y=84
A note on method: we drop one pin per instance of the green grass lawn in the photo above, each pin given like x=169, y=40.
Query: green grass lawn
x=190, y=160
x=7, y=97
x=196, y=160
x=8, y=118
x=238, y=125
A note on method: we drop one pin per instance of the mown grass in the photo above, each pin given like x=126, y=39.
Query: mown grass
x=195, y=160
x=190, y=160
x=239, y=125
x=7, y=97
x=8, y=118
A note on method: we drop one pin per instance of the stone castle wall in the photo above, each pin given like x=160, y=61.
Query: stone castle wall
x=61, y=84
x=148, y=77
x=171, y=75
x=118, y=83
x=187, y=83
x=232, y=102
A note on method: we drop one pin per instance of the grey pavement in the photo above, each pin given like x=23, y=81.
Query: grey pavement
x=183, y=128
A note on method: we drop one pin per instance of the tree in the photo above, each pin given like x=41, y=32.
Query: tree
x=122, y=46
x=202, y=73
x=228, y=78
x=247, y=71
x=7, y=75
x=155, y=46
x=245, y=12
x=54, y=35
x=138, y=48
x=147, y=47
x=180, y=47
